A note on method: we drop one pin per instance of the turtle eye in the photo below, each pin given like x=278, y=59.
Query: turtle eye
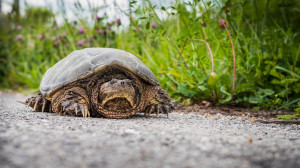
x=112, y=82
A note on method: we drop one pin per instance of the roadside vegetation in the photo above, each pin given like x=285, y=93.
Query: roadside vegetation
x=242, y=53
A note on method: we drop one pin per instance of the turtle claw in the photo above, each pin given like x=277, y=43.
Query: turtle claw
x=158, y=110
x=76, y=110
x=160, y=104
x=71, y=102
x=22, y=103
x=29, y=101
x=82, y=111
x=44, y=104
x=38, y=103
x=73, y=108
x=85, y=112
x=150, y=109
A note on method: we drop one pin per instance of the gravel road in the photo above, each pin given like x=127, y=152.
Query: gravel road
x=29, y=139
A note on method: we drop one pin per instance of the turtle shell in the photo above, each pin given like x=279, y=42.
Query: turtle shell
x=83, y=63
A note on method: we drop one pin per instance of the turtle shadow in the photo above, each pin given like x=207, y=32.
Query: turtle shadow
x=152, y=116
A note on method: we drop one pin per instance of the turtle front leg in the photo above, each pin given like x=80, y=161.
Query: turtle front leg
x=39, y=103
x=72, y=102
x=161, y=103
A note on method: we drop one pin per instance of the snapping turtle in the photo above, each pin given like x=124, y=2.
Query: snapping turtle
x=100, y=82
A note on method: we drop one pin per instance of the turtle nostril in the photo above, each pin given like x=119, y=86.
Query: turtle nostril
x=122, y=82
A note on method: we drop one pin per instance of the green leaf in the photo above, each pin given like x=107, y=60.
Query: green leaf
x=185, y=90
x=288, y=103
x=202, y=88
x=288, y=117
x=132, y=2
x=274, y=73
x=254, y=99
x=288, y=81
x=245, y=87
x=228, y=97
x=208, y=3
x=265, y=92
x=288, y=71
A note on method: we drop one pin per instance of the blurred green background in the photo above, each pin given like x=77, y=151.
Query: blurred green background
x=264, y=35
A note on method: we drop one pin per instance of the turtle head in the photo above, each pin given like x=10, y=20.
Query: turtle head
x=117, y=95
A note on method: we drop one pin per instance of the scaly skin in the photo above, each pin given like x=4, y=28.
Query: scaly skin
x=161, y=103
x=72, y=102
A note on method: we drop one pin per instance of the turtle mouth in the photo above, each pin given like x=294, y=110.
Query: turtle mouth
x=124, y=100
x=118, y=96
x=119, y=105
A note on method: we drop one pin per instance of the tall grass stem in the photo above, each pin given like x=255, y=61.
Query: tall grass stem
x=209, y=49
x=233, y=52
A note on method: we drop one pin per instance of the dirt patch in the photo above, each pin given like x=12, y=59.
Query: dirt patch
x=266, y=116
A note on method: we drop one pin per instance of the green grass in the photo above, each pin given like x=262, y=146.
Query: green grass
x=266, y=49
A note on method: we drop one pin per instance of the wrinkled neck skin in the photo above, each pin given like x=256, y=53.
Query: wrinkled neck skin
x=117, y=94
